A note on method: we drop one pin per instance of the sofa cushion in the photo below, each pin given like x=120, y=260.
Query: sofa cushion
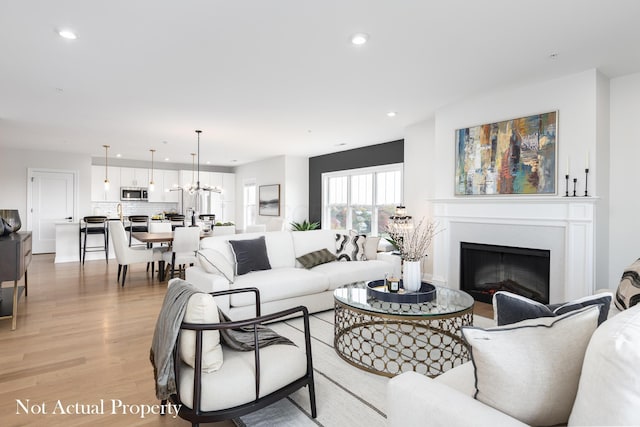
x=371, y=247
x=250, y=255
x=628, y=293
x=201, y=308
x=278, y=284
x=538, y=360
x=609, y=391
x=510, y=308
x=342, y=273
x=213, y=261
x=350, y=247
x=314, y=258
x=279, y=246
x=313, y=240
x=234, y=384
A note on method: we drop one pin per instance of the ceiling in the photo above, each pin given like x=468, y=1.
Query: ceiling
x=263, y=78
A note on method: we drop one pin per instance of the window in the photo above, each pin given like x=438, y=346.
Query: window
x=361, y=199
x=250, y=203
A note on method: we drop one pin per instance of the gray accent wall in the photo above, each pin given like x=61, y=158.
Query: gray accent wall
x=372, y=155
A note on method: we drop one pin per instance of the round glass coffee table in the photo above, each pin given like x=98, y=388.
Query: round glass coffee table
x=389, y=338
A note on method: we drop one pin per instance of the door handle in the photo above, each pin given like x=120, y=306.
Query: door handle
x=69, y=218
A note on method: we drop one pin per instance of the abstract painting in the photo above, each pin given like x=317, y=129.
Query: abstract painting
x=515, y=156
x=269, y=200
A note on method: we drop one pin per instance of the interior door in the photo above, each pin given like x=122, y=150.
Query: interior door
x=52, y=201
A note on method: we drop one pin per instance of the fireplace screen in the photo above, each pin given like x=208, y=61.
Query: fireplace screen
x=486, y=269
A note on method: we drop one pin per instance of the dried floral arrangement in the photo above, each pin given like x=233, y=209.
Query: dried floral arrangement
x=413, y=242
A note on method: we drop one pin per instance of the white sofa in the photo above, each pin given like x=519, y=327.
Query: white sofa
x=608, y=391
x=287, y=284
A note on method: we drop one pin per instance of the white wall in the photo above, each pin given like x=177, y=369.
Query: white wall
x=296, y=207
x=582, y=103
x=13, y=176
x=265, y=172
x=624, y=185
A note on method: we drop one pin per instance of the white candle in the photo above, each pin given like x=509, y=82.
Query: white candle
x=586, y=163
x=567, y=166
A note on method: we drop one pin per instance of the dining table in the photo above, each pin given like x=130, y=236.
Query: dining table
x=163, y=237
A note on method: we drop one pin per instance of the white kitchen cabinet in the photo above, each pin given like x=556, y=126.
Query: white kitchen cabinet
x=228, y=212
x=215, y=179
x=165, y=180
x=228, y=187
x=98, y=193
x=134, y=177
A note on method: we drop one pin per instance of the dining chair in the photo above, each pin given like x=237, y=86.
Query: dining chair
x=137, y=224
x=186, y=241
x=93, y=225
x=126, y=255
x=176, y=220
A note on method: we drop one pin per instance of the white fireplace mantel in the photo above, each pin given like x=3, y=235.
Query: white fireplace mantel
x=563, y=225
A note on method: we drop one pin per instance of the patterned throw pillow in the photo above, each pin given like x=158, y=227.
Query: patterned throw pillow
x=350, y=248
x=314, y=258
x=628, y=293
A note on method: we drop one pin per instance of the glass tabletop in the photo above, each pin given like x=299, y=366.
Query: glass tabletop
x=447, y=301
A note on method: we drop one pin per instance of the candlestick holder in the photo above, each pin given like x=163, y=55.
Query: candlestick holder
x=586, y=176
x=566, y=185
x=575, y=181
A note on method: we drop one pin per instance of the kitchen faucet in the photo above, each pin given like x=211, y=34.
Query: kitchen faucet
x=119, y=211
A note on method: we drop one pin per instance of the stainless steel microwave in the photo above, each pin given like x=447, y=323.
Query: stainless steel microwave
x=133, y=193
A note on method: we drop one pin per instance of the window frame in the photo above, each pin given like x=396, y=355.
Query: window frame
x=246, y=206
x=373, y=170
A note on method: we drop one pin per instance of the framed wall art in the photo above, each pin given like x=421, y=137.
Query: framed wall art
x=269, y=200
x=516, y=156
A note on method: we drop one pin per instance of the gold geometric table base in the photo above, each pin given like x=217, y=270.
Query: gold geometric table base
x=388, y=345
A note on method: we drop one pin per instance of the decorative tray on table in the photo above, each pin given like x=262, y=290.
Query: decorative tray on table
x=378, y=290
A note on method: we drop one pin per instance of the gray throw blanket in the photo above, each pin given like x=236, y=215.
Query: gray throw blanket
x=168, y=324
x=165, y=335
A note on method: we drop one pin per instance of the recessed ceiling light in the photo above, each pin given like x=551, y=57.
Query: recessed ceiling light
x=233, y=161
x=359, y=39
x=118, y=155
x=391, y=114
x=208, y=162
x=166, y=159
x=165, y=142
x=553, y=55
x=67, y=34
x=341, y=144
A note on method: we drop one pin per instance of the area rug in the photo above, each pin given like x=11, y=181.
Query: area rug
x=345, y=395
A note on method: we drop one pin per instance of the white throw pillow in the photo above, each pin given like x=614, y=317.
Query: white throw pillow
x=213, y=261
x=609, y=391
x=530, y=369
x=201, y=308
x=371, y=247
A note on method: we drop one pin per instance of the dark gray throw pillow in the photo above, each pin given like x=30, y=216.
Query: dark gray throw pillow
x=314, y=258
x=250, y=255
x=510, y=308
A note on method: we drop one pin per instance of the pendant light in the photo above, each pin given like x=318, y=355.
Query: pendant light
x=106, y=167
x=195, y=186
x=152, y=185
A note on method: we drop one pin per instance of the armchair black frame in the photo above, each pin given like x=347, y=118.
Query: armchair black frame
x=195, y=415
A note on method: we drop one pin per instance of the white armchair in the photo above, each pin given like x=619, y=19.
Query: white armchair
x=126, y=254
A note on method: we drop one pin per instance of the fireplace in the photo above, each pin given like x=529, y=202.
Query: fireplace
x=486, y=269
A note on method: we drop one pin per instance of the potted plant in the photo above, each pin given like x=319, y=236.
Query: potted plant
x=305, y=225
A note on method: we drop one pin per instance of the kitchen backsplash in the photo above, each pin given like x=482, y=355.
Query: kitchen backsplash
x=110, y=209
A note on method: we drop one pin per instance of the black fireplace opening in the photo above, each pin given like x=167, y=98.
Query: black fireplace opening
x=487, y=269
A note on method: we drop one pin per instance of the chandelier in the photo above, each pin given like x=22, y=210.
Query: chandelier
x=197, y=187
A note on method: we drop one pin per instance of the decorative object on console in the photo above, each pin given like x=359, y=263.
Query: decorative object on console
x=575, y=182
x=269, y=200
x=509, y=308
x=250, y=255
x=566, y=186
x=10, y=221
x=515, y=156
x=586, y=180
x=350, y=247
x=546, y=354
x=628, y=292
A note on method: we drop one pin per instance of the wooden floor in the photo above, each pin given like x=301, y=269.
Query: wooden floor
x=81, y=339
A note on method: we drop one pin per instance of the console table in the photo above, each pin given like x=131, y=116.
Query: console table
x=15, y=256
